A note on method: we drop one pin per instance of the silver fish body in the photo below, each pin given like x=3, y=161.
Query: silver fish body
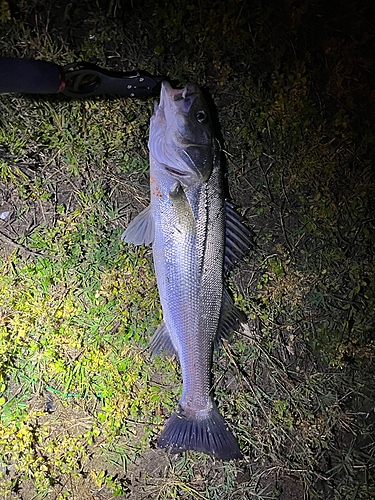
x=190, y=225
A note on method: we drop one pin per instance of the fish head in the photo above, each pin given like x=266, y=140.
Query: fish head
x=181, y=137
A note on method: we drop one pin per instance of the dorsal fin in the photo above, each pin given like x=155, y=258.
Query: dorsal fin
x=238, y=239
x=229, y=316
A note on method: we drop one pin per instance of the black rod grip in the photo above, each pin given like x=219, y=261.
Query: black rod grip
x=29, y=76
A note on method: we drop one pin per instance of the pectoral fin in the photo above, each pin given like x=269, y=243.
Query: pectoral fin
x=141, y=231
x=185, y=216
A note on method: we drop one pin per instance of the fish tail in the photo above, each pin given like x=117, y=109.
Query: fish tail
x=209, y=435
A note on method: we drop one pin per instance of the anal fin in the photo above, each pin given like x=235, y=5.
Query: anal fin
x=161, y=343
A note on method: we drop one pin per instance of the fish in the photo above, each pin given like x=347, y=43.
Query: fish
x=196, y=236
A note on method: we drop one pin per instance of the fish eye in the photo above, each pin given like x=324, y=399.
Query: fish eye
x=201, y=116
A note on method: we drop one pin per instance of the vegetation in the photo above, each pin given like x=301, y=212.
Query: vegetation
x=82, y=404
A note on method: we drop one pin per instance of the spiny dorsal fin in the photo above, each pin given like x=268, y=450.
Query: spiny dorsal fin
x=238, y=239
x=141, y=231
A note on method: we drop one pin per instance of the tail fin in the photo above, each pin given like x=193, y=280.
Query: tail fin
x=209, y=435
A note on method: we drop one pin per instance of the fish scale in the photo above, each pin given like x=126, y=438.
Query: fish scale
x=195, y=235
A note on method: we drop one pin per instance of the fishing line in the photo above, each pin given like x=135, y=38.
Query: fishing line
x=56, y=391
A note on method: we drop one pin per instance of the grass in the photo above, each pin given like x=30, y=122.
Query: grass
x=82, y=403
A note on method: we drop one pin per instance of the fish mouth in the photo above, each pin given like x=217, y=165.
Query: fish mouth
x=188, y=91
x=169, y=95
